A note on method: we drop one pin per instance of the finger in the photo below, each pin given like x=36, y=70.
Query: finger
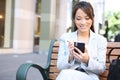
x=79, y=51
x=77, y=56
x=70, y=44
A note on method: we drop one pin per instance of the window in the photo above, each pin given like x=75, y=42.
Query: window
x=37, y=24
x=6, y=23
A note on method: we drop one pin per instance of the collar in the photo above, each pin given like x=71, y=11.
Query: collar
x=92, y=35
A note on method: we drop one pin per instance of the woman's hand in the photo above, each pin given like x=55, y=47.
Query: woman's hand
x=71, y=49
x=84, y=57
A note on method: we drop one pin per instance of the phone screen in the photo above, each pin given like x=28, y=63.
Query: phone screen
x=80, y=46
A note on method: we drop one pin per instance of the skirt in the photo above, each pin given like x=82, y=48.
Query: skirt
x=70, y=74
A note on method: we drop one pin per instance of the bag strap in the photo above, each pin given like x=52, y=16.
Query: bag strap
x=111, y=52
x=118, y=57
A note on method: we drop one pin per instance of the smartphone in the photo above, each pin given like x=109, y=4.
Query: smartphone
x=80, y=46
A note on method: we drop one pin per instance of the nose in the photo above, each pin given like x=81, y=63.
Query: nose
x=83, y=21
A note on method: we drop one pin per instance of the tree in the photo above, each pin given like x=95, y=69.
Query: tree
x=112, y=24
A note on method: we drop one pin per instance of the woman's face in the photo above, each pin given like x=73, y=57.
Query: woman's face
x=82, y=21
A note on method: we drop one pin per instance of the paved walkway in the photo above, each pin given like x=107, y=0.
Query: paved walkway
x=9, y=64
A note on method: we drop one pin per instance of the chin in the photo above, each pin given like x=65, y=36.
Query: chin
x=83, y=30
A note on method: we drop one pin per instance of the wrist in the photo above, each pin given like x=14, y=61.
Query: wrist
x=70, y=58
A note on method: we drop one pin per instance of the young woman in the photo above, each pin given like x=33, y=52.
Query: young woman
x=80, y=65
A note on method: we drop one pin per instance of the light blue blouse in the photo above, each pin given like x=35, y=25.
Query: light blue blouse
x=96, y=49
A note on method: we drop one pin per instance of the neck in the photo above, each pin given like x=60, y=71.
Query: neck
x=83, y=36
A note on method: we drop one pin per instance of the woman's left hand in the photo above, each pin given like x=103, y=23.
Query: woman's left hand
x=84, y=57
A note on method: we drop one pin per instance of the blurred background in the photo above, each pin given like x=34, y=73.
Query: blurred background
x=34, y=24
x=27, y=26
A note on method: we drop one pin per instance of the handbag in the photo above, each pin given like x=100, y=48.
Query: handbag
x=114, y=67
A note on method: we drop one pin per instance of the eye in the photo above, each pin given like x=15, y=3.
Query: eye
x=87, y=18
x=78, y=18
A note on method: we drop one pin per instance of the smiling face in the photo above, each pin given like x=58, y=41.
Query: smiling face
x=83, y=16
x=82, y=21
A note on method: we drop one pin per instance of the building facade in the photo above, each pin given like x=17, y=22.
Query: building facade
x=27, y=21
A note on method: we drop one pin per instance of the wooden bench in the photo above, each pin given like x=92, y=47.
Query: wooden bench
x=50, y=72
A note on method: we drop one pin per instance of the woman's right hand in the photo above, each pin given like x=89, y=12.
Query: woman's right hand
x=71, y=49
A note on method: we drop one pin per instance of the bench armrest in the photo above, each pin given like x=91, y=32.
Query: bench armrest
x=23, y=69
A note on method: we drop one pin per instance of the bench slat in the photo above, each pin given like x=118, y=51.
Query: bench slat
x=107, y=66
x=52, y=76
x=54, y=56
x=56, y=44
x=114, y=52
x=54, y=69
x=53, y=62
x=111, y=58
x=55, y=49
x=113, y=44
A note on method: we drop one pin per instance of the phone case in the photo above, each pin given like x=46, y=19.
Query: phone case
x=80, y=46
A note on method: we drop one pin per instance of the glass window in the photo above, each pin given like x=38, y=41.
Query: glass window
x=37, y=24
x=6, y=23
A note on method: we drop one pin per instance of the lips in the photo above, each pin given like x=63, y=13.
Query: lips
x=82, y=27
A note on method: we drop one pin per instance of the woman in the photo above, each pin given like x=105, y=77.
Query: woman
x=79, y=65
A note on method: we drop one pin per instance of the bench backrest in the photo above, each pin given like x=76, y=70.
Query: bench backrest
x=53, y=68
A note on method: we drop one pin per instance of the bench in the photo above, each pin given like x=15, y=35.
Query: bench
x=50, y=72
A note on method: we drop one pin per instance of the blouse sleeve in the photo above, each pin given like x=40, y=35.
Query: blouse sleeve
x=63, y=54
x=98, y=65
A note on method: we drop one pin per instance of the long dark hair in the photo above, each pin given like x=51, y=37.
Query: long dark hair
x=87, y=8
